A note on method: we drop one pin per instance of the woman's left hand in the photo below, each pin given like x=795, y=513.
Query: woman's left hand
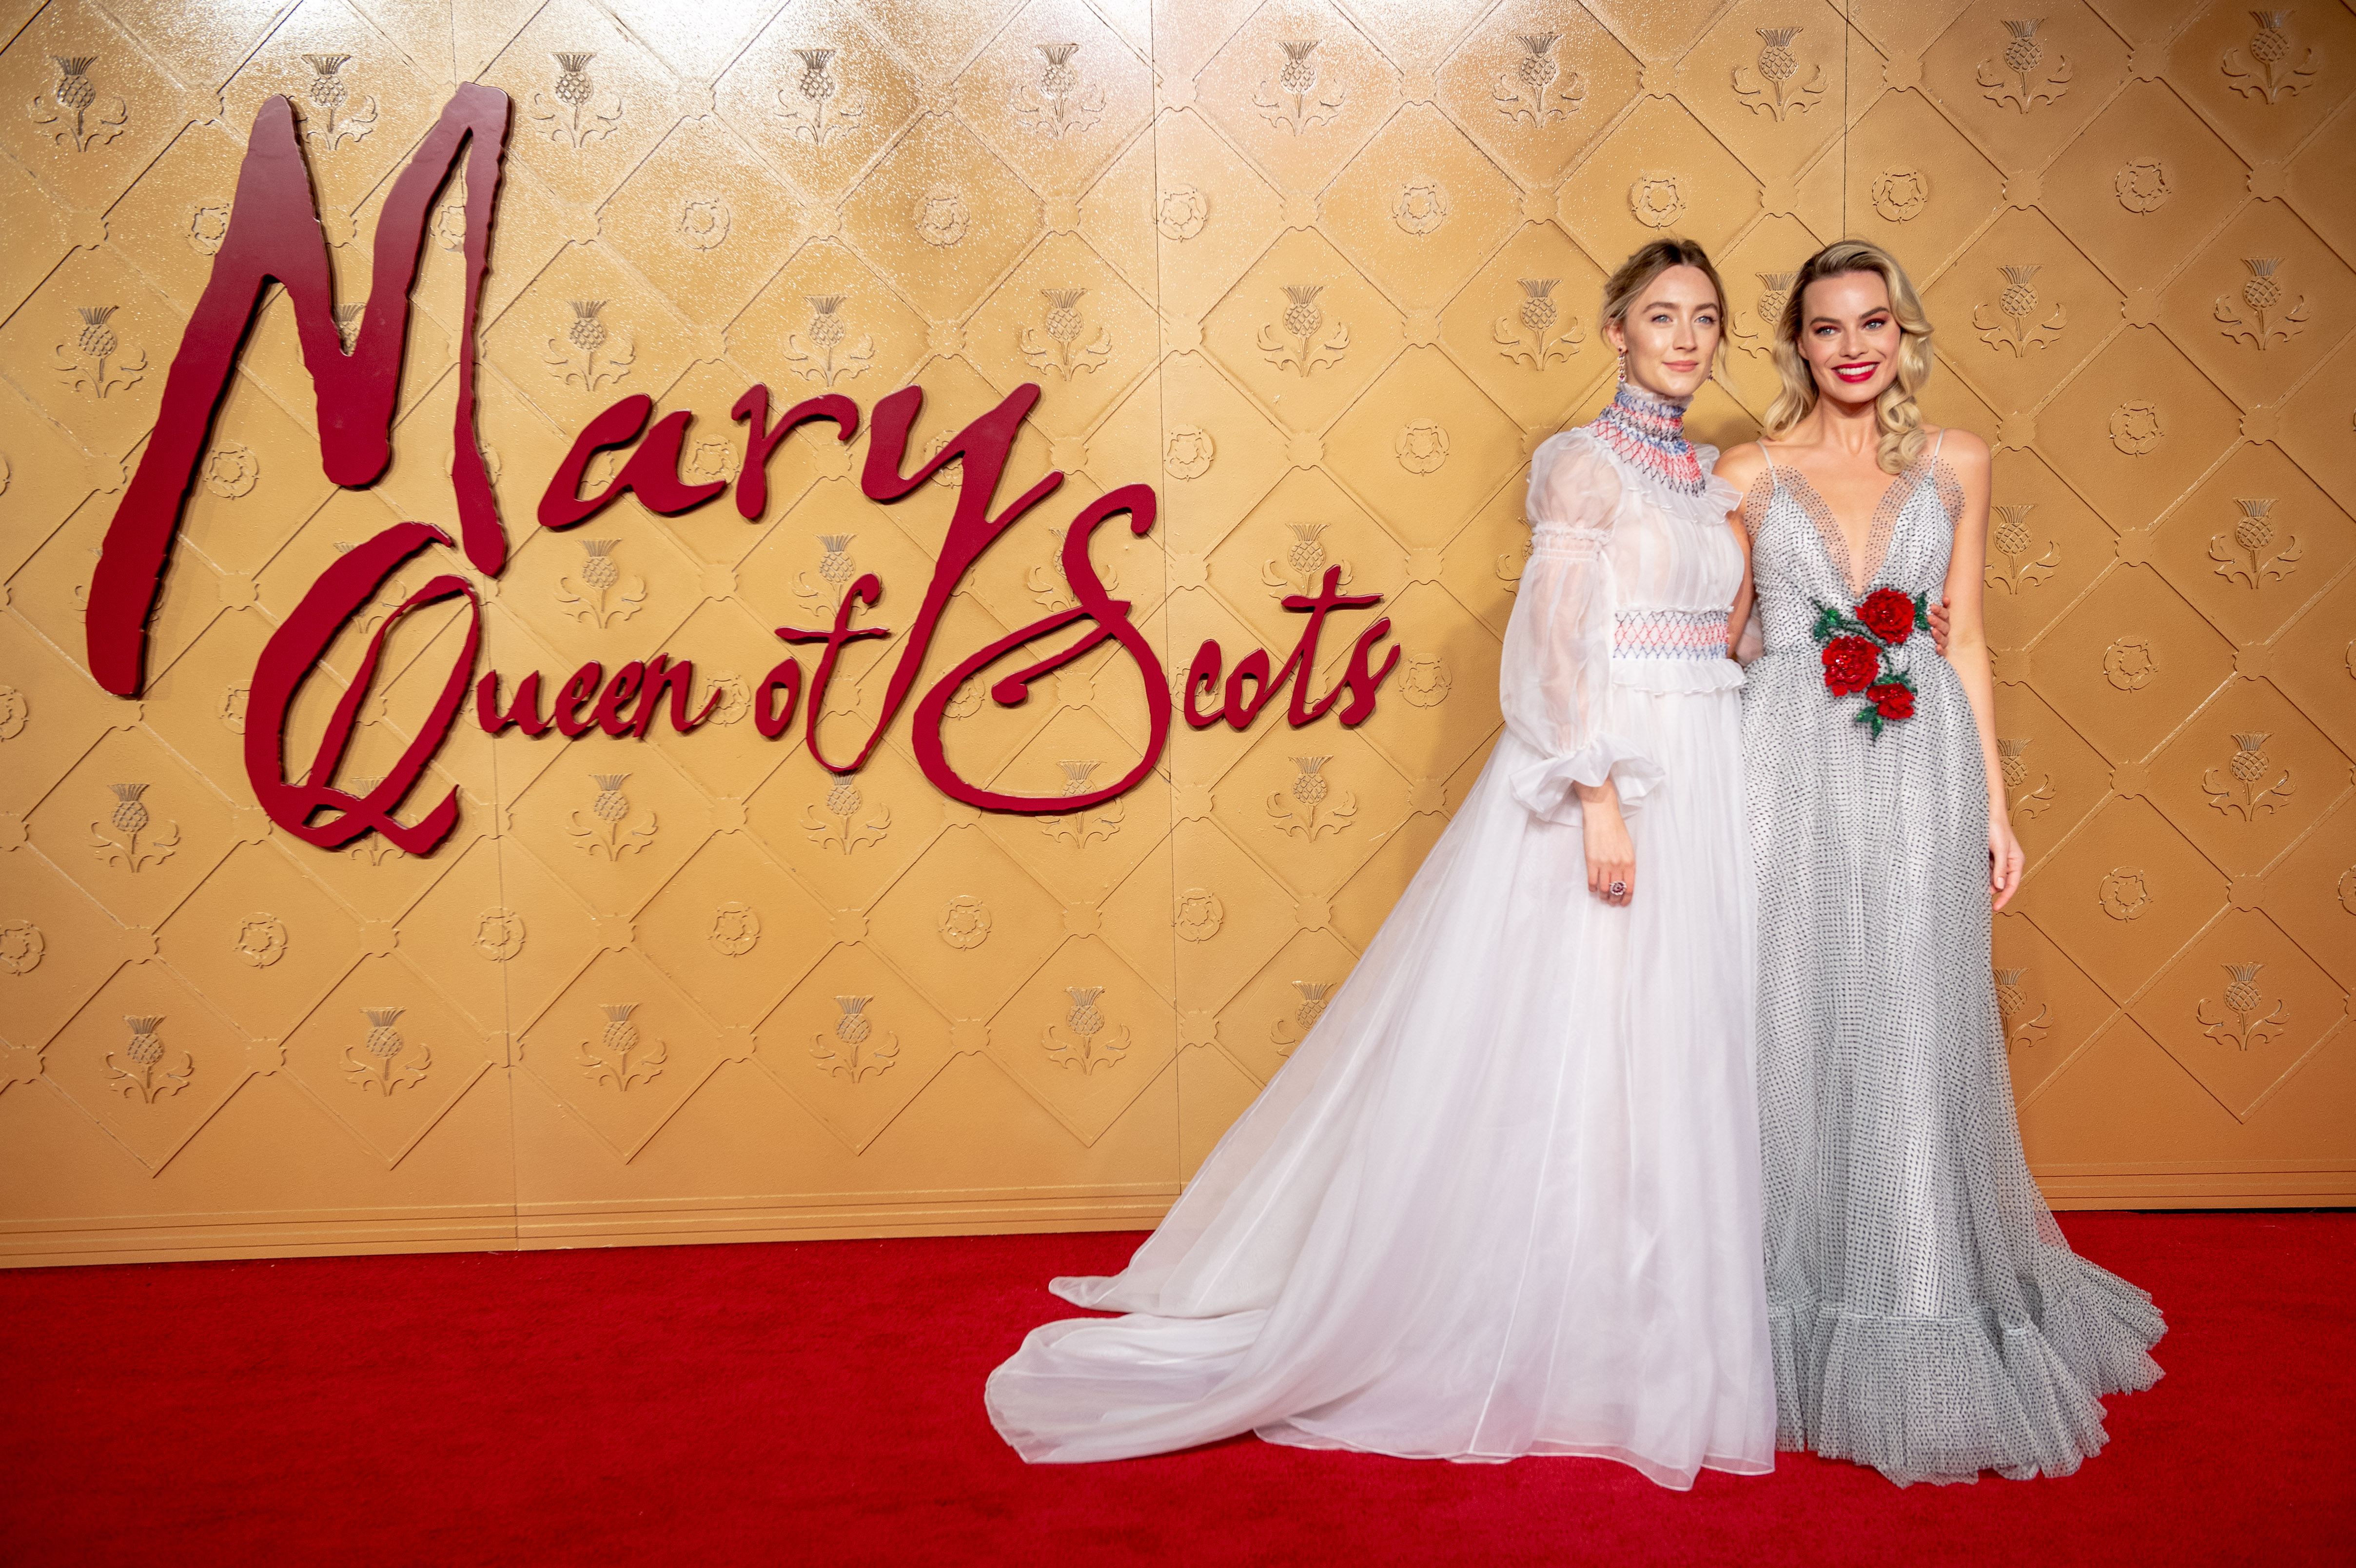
x=2005, y=859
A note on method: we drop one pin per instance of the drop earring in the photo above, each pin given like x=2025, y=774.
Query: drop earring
x=1623, y=366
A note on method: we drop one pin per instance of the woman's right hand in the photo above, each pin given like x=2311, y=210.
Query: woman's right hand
x=1610, y=853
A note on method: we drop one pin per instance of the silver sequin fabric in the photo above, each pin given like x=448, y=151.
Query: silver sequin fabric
x=1928, y=1317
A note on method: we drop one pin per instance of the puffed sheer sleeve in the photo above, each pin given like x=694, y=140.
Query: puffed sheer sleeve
x=1555, y=680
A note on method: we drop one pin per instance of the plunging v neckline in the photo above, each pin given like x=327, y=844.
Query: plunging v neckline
x=1831, y=538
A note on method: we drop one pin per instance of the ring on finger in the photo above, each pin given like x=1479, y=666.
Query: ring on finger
x=1619, y=890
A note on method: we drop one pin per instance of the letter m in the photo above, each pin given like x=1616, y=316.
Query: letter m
x=274, y=233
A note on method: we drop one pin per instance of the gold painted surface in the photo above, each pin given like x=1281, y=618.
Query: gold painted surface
x=1322, y=273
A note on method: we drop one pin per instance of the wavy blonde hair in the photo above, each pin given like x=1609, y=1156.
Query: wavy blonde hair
x=1895, y=411
x=1649, y=261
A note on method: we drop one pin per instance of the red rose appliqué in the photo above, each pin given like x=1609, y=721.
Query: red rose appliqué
x=1889, y=615
x=1851, y=663
x=1891, y=701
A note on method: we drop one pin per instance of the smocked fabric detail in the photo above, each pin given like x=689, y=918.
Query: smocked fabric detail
x=1648, y=434
x=1668, y=634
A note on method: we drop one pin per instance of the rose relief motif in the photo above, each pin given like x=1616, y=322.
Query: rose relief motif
x=2137, y=427
x=940, y=215
x=1657, y=198
x=1901, y=193
x=1422, y=206
x=2143, y=185
x=1529, y=91
x=230, y=708
x=14, y=709
x=231, y=471
x=1200, y=915
x=1424, y=683
x=1421, y=447
x=499, y=934
x=735, y=928
x=703, y=221
x=729, y=697
x=2126, y=895
x=1182, y=212
x=964, y=922
x=261, y=940
x=1188, y=452
x=2130, y=662
x=21, y=946
x=90, y=118
x=207, y=226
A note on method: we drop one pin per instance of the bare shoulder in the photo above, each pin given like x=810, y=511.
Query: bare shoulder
x=1741, y=465
x=1961, y=450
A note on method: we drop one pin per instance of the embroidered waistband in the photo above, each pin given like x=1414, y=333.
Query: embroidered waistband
x=1668, y=634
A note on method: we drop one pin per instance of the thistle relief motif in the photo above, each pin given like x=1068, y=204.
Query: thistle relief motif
x=1199, y=914
x=1303, y=566
x=130, y=845
x=590, y=354
x=1901, y=192
x=2242, y=1023
x=2137, y=427
x=1528, y=336
x=610, y=831
x=91, y=360
x=89, y=119
x=1295, y=101
x=14, y=709
x=1089, y=1045
x=2025, y=803
x=1188, y=452
x=1310, y=807
x=1051, y=589
x=499, y=934
x=2017, y=329
x=735, y=929
x=1422, y=206
x=334, y=121
x=2273, y=76
x=21, y=946
x=1529, y=91
x=1755, y=334
x=964, y=922
x=836, y=571
x=347, y=317
x=823, y=359
x=812, y=102
x=576, y=114
x=1083, y=828
x=1288, y=1033
x=1059, y=101
x=1302, y=321
x=598, y=595
x=2241, y=785
x=1420, y=447
x=853, y=1051
x=2130, y=662
x=615, y=1056
x=382, y=1067
x=2243, y=557
x=2143, y=185
x=2125, y=894
x=1769, y=89
x=2019, y=1033
x=1656, y=198
x=839, y=829
x=2010, y=538
x=142, y=1076
x=261, y=940
x=2022, y=80
x=2263, y=296
x=1059, y=349
x=1424, y=683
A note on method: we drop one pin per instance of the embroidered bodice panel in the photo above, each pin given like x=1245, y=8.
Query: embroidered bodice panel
x=1648, y=434
x=1800, y=559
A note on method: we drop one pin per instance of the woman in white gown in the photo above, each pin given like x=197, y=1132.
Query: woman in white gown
x=1504, y=1199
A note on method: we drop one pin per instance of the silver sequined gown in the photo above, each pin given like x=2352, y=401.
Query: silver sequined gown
x=1928, y=1318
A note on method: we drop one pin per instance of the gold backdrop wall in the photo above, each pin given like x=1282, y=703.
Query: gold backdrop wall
x=1322, y=273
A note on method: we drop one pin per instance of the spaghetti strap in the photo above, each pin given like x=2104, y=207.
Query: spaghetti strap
x=1941, y=440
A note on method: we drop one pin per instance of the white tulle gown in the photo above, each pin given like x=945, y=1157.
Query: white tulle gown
x=1504, y=1199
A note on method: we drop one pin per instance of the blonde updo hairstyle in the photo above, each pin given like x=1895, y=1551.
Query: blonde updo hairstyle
x=1637, y=273
x=1894, y=411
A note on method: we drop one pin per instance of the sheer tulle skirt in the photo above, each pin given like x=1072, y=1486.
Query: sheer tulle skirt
x=1503, y=1199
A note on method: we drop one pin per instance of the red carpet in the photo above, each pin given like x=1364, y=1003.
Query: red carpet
x=820, y=1403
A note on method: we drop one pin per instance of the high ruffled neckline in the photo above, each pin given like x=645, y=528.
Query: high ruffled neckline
x=1649, y=431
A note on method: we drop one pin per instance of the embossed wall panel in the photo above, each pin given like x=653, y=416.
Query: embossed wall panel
x=1321, y=273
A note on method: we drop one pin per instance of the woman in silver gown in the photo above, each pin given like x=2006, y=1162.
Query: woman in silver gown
x=1928, y=1318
